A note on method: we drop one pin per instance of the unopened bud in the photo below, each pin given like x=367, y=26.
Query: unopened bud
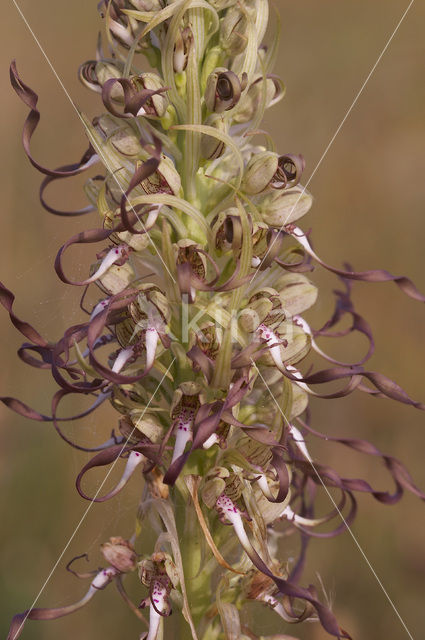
x=212, y=490
x=269, y=170
x=121, y=149
x=260, y=172
x=116, y=279
x=148, y=5
x=182, y=46
x=296, y=293
x=277, y=312
x=233, y=31
x=211, y=147
x=222, y=4
x=93, y=74
x=256, y=453
x=120, y=554
x=254, y=314
x=119, y=145
x=279, y=208
x=252, y=100
x=147, y=424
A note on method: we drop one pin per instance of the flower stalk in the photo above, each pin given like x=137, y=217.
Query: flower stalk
x=195, y=329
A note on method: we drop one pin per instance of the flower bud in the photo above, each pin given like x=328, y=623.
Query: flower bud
x=218, y=472
x=252, y=100
x=219, y=5
x=299, y=401
x=169, y=567
x=94, y=73
x=121, y=149
x=116, y=279
x=122, y=27
x=222, y=433
x=280, y=208
x=212, y=490
x=254, y=314
x=184, y=42
x=120, y=554
x=296, y=292
x=260, y=172
x=223, y=90
x=268, y=169
x=256, y=453
x=148, y=5
x=138, y=425
x=212, y=148
x=147, y=424
x=277, y=313
x=264, y=307
x=233, y=31
x=291, y=167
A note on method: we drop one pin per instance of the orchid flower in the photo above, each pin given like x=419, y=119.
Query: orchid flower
x=198, y=338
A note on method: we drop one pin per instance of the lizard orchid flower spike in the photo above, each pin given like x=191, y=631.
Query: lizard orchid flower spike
x=194, y=327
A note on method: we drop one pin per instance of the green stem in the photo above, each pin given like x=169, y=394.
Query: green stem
x=197, y=581
x=194, y=111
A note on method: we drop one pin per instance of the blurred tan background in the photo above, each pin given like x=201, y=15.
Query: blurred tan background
x=369, y=208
